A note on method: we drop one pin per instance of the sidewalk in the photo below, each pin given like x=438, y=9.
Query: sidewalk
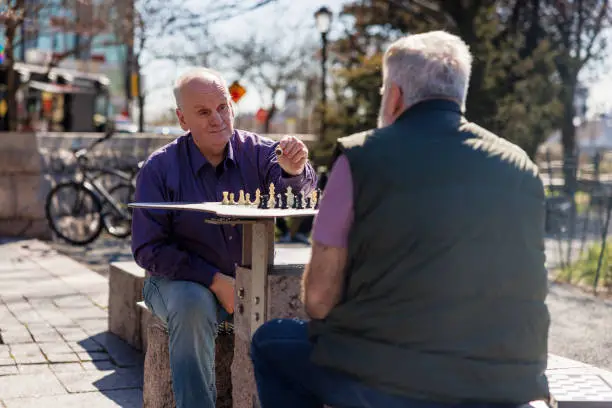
x=55, y=350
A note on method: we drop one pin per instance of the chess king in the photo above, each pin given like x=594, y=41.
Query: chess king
x=190, y=263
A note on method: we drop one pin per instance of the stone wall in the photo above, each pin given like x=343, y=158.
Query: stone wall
x=23, y=187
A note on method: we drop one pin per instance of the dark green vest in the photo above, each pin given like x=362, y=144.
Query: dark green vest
x=446, y=281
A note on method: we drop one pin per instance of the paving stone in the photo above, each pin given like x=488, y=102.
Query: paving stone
x=72, y=332
x=106, y=365
x=27, y=354
x=121, y=353
x=110, y=399
x=17, y=337
x=63, y=358
x=93, y=356
x=59, y=347
x=34, y=368
x=7, y=361
x=85, y=345
x=35, y=385
x=95, y=325
x=4, y=351
x=99, y=380
x=8, y=370
x=66, y=367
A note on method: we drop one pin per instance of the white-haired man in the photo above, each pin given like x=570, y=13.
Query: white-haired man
x=426, y=287
x=191, y=263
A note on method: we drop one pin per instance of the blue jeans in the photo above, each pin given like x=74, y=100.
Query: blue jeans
x=285, y=377
x=192, y=315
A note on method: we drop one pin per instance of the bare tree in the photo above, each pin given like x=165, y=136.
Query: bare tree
x=272, y=64
x=21, y=18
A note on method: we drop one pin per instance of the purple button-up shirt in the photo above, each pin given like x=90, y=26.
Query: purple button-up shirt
x=179, y=244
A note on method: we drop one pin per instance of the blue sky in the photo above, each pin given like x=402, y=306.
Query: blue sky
x=292, y=13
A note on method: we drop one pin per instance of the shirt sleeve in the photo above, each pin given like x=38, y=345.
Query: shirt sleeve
x=335, y=217
x=152, y=245
x=273, y=173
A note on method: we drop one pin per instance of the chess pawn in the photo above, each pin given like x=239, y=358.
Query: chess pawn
x=279, y=200
x=263, y=203
x=319, y=193
x=241, y=198
x=308, y=202
x=290, y=197
x=314, y=197
x=231, y=199
x=247, y=199
x=225, y=198
x=299, y=201
x=257, y=199
x=271, y=191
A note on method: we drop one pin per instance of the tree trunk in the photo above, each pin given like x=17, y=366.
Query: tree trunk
x=568, y=138
x=269, y=118
x=11, y=76
x=141, y=114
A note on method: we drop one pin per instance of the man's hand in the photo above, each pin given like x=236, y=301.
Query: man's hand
x=294, y=156
x=223, y=288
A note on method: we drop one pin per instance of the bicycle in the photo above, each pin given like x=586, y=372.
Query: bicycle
x=103, y=209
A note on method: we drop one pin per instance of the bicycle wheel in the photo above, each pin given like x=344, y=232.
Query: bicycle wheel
x=80, y=213
x=115, y=223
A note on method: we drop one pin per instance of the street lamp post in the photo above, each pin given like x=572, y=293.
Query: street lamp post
x=323, y=17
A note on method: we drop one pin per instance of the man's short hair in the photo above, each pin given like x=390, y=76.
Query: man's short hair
x=201, y=73
x=435, y=64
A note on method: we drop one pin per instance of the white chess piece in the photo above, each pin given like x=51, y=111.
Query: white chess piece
x=290, y=197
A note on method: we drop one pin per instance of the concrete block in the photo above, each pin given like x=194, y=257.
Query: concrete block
x=125, y=280
x=8, y=197
x=157, y=388
x=31, y=191
x=19, y=153
x=25, y=228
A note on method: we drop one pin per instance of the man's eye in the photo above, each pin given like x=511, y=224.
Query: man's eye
x=223, y=107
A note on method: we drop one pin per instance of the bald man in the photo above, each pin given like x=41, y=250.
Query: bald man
x=190, y=263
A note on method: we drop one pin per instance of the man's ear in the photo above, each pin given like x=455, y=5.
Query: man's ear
x=396, y=100
x=181, y=118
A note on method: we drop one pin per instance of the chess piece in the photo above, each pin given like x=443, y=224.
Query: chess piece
x=308, y=202
x=225, y=198
x=263, y=203
x=316, y=206
x=299, y=201
x=283, y=205
x=290, y=197
x=271, y=196
x=247, y=198
x=257, y=198
x=241, y=200
x=314, y=197
x=231, y=199
x=279, y=200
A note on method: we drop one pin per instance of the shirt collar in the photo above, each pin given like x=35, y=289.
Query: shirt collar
x=198, y=160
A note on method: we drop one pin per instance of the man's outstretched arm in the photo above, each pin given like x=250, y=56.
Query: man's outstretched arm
x=325, y=275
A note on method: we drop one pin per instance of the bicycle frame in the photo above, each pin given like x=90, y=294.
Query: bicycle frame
x=93, y=185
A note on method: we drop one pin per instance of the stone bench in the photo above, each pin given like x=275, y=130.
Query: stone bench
x=125, y=318
x=157, y=388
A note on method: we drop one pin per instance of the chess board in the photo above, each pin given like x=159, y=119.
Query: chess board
x=567, y=386
x=228, y=211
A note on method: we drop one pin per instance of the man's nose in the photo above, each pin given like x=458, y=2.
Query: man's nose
x=215, y=118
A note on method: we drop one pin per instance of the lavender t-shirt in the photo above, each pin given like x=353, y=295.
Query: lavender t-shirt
x=333, y=222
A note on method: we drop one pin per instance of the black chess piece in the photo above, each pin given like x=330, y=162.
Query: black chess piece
x=318, y=198
x=299, y=201
x=308, y=202
x=284, y=201
x=263, y=202
x=279, y=201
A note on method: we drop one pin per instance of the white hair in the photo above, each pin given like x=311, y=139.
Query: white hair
x=435, y=64
x=206, y=74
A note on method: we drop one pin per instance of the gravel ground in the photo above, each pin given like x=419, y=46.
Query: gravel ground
x=581, y=326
